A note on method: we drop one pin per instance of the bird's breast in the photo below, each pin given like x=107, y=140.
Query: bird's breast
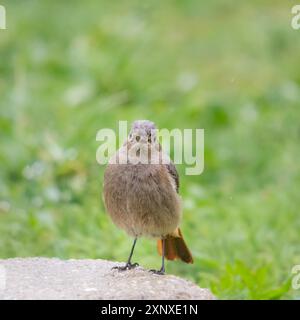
x=141, y=199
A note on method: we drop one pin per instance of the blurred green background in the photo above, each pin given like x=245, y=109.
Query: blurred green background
x=70, y=68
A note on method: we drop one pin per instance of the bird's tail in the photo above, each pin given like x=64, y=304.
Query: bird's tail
x=175, y=247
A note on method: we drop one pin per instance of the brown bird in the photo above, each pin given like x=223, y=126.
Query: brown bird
x=142, y=196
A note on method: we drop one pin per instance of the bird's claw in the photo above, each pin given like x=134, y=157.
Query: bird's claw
x=159, y=272
x=128, y=266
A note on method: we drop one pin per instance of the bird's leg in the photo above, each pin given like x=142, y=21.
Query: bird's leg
x=162, y=269
x=128, y=265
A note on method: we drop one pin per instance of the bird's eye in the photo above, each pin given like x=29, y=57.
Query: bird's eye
x=137, y=138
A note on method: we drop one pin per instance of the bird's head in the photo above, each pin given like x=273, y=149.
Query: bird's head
x=142, y=132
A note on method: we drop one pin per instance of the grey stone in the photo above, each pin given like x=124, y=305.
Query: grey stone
x=44, y=278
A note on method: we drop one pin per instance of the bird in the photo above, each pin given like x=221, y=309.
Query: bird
x=141, y=195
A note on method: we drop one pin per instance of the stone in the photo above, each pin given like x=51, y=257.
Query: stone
x=52, y=278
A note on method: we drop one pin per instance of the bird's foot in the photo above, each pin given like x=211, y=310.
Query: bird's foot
x=160, y=272
x=128, y=266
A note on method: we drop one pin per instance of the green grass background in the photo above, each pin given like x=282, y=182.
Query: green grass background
x=70, y=68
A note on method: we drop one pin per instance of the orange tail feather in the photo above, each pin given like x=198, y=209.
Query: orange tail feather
x=175, y=247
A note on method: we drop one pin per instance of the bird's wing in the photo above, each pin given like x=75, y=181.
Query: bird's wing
x=174, y=174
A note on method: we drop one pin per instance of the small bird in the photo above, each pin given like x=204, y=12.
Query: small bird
x=141, y=196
